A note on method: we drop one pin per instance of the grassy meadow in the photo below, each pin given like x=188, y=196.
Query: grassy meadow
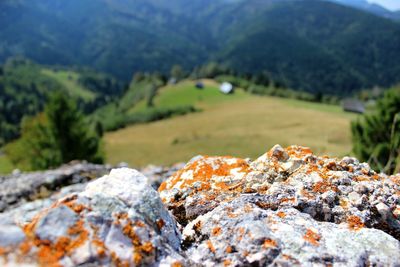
x=240, y=125
x=69, y=80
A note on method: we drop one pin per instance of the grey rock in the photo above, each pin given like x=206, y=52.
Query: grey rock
x=118, y=219
x=241, y=233
x=11, y=235
x=16, y=189
x=55, y=223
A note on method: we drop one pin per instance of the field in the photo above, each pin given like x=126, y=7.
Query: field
x=239, y=125
x=69, y=80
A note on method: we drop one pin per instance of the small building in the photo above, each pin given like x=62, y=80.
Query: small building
x=199, y=85
x=173, y=81
x=353, y=105
x=226, y=88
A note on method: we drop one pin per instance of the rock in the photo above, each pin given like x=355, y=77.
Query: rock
x=118, y=219
x=241, y=233
x=18, y=188
x=289, y=207
x=320, y=189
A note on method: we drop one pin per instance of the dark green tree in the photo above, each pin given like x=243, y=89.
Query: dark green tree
x=74, y=138
x=59, y=135
x=376, y=136
x=177, y=72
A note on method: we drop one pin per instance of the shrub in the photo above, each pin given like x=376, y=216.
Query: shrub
x=376, y=136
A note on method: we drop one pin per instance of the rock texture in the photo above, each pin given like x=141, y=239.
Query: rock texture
x=19, y=188
x=118, y=220
x=22, y=195
x=287, y=208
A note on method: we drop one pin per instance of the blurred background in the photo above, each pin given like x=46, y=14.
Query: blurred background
x=158, y=82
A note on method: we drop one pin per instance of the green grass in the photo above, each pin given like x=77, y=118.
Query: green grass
x=5, y=165
x=69, y=80
x=241, y=125
x=186, y=94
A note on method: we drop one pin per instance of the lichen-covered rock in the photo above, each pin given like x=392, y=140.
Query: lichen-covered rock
x=332, y=190
x=241, y=233
x=19, y=188
x=117, y=220
x=20, y=202
x=327, y=211
x=286, y=208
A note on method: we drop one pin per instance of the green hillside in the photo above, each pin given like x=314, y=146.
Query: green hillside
x=69, y=80
x=317, y=46
x=24, y=88
x=240, y=124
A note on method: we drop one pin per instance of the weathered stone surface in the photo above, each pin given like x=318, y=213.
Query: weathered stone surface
x=286, y=208
x=22, y=210
x=19, y=188
x=332, y=190
x=117, y=220
x=241, y=233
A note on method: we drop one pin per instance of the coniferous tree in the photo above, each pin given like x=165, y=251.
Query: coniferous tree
x=57, y=136
x=73, y=137
x=376, y=136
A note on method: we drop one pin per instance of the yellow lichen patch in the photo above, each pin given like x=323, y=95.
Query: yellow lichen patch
x=71, y=203
x=281, y=214
x=298, y=151
x=210, y=246
x=203, y=169
x=101, y=248
x=343, y=203
x=176, y=264
x=227, y=262
x=248, y=208
x=216, y=231
x=147, y=247
x=355, y=223
x=269, y=243
x=312, y=237
x=324, y=186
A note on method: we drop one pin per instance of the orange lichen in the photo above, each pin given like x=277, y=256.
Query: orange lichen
x=210, y=246
x=227, y=262
x=160, y=224
x=203, y=170
x=228, y=249
x=248, y=208
x=101, y=248
x=281, y=214
x=312, y=237
x=24, y=248
x=216, y=231
x=322, y=187
x=343, y=203
x=232, y=215
x=298, y=151
x=176, y=264
x=147, y=247
x=355, y=223
x=269, y=243
x=137, y=258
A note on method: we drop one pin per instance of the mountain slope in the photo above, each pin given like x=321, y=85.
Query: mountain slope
x=369, y=7
x=300, y=43
x=316, y=46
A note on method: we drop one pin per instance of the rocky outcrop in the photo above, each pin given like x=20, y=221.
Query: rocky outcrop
x=19, y=188
x=118, y=219
x=22, y=195
x=287, y=208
